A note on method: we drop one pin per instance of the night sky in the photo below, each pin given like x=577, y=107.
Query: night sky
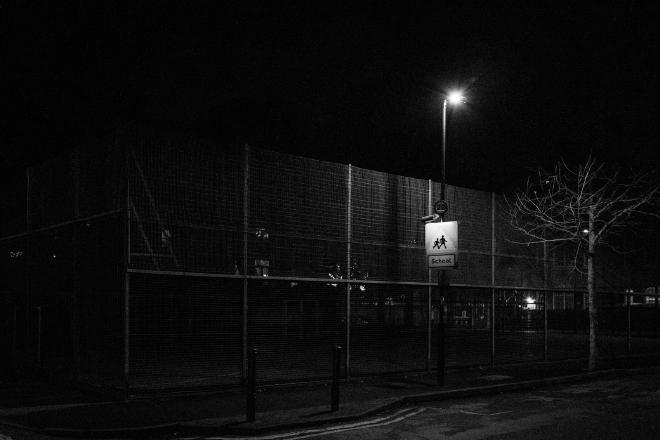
x=351, y=84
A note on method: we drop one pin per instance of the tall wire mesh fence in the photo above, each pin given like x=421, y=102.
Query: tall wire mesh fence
x=160, y=261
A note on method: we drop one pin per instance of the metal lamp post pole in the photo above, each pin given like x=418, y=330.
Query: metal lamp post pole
x=444, y=148
x=441, y=274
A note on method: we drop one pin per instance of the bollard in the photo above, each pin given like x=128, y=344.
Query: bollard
x=336, y=368
x=250, y=406
x=628, y=326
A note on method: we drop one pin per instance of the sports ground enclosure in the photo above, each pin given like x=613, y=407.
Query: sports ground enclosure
x=154, y=261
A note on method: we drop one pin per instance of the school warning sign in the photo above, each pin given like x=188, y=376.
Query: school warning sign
x=441, y=244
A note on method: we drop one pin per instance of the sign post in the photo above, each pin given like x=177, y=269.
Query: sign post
x=441, y=241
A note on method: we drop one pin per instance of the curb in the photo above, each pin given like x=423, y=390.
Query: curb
x=190, y=428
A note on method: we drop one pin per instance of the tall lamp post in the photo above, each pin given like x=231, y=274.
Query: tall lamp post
x=453, y=98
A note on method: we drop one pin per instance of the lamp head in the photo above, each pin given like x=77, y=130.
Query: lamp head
x=455, y=97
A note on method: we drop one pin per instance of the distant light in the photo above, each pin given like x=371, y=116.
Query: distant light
x=455, y=97
x=529, y=300
x=585, y=231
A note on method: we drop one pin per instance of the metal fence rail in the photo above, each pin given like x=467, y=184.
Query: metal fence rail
x=195, y=336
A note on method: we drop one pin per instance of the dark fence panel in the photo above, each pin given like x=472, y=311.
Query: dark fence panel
x=186, y=205
x=519, y=325
x=50, y=293
x=184, y=331
x=13, y=303
x=387, y=236
x=568, y=325
x=612, y=325
x=645, y=327
x=294, y=326
x=388, y=328
x=13, y=187
x=297, y=218
x=97, y=309
x=467, y=323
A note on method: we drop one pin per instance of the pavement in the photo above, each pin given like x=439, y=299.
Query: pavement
x=36, y=404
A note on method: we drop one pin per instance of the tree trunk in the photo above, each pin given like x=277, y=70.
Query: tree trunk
x=591, y=289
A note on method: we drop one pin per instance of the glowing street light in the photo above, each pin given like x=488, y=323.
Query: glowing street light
x=453, y=98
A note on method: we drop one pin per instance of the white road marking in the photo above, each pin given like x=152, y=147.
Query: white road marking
x=484, y=414
x=381, y=421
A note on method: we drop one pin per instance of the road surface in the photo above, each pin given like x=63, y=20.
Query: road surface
x=623, y=408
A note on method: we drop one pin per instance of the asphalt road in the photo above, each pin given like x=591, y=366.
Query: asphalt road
x=625, y=408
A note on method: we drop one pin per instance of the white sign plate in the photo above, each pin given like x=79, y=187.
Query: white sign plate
x=441, y=240
x=448, y=260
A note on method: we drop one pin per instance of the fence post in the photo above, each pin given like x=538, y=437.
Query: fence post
x=127, y=281
x=576, y=313
x=545, y=300
x=75, y=291
x=349, y=237
x=250, y=404
x=28, y=262
x=628, y=325
x=336, y=367
x=127, y=336
x=14, y=339
x=492, y=278
x=492, y=327
x=244, y=313
x=39, y=336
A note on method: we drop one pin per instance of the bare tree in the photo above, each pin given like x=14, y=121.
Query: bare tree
x=586, y=206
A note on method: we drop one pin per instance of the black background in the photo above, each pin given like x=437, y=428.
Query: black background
x=354, y=82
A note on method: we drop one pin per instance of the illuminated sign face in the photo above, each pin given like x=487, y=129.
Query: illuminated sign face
x=441, y=241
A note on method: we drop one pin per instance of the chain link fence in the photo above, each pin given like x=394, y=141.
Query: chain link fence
x=158, y=262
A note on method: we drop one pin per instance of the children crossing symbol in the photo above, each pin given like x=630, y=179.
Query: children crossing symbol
x=440, y=242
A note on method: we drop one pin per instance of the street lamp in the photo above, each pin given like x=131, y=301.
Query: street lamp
x=454, y=98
